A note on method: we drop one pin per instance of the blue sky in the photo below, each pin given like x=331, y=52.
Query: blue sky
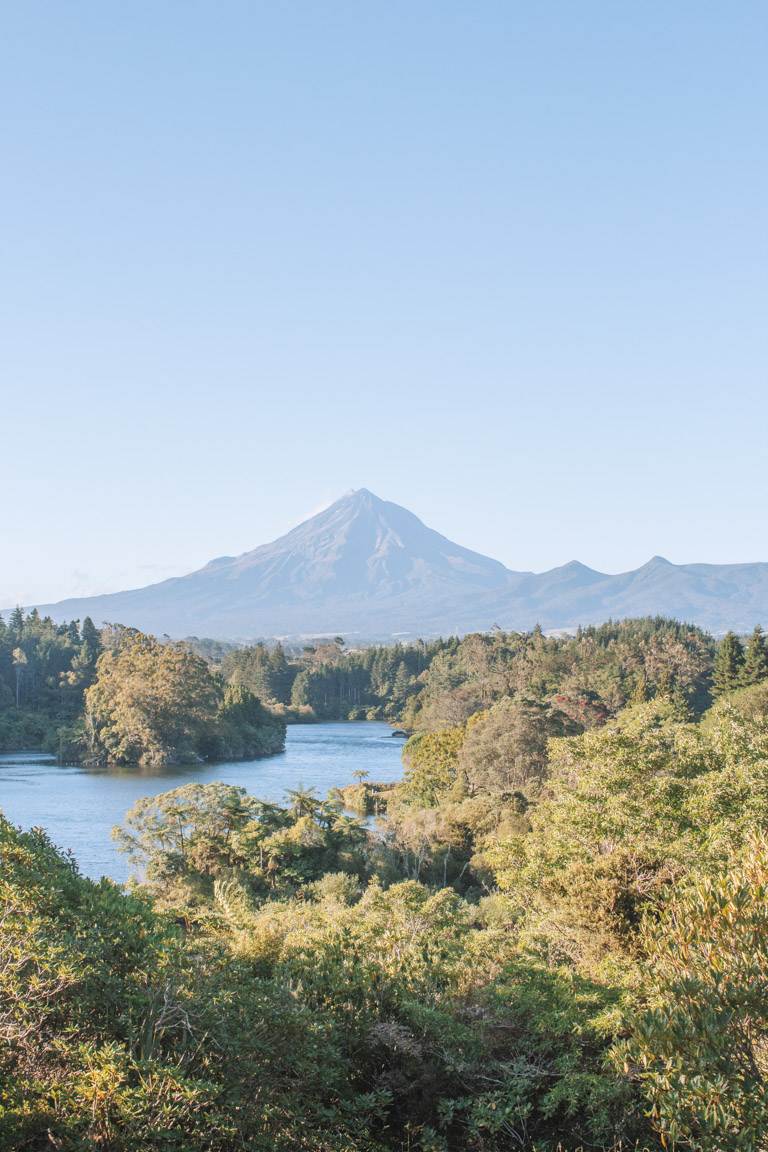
x=503, y=263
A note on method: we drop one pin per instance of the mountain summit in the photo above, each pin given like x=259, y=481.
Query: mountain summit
x=366, y=567
x=360, y=546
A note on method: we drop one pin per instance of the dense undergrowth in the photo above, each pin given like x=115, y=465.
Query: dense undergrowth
x=557, y=937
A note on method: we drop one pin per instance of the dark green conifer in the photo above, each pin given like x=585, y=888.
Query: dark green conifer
x=729, y=662
x=16, y=621
x=755, y=666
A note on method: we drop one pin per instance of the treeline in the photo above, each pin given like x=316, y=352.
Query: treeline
x=119, y=696
x=581, y=680
x=45, y=669
x=557, y=938
x=325, y=681
x=430, y=685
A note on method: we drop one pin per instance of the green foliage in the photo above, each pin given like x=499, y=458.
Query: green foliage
x=150, y=702
x=729, y=665
x=264, y=671
x=699, y=1042
x=243, y=728
x=117, y=1033
x=585, y=678
x=156, y=704
x=138, y=701
x=755, y=667
x=505, y=749
x=431, y=763
x=186, y=840
x=44, y=671
x=750, y=703
x=631, y=809
x=441, y=684
x=554, y=938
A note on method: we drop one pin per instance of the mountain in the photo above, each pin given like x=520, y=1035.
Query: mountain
x=369, y=568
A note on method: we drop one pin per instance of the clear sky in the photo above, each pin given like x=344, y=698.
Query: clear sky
x=504, y=263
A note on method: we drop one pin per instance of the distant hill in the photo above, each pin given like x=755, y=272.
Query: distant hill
x=370, y=568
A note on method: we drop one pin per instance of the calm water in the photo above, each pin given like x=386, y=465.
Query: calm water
x=79, y=806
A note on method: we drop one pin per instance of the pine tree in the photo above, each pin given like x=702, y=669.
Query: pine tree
x=91, y=639
x=729, y=662
x=402, y=682
x=279, y=675
x=16, y=622
x=755, y=666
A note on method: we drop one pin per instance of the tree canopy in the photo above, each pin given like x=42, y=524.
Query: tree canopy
x=553, y=939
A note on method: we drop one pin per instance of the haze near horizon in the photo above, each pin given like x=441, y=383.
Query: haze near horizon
x=367, y=568
x=504, y=267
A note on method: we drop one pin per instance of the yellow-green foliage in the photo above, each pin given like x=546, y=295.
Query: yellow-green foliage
x=184, y=840
x=150, y=702
x=155, y=703
x=431, y=762
x=631, y=808
x=117, y=1032
x=699, y=1040
x=550, y=942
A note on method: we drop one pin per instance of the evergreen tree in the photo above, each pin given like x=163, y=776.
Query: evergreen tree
x=280, y=675
x=755, y=666
x=729, y=663
x=402, y=682
x=16, y=622
x=91, y=640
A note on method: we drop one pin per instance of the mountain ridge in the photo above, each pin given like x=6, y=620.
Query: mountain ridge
x=368, y=567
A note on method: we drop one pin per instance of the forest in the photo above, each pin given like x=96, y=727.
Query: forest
x=432, y=684
x=115, y=695
x=555, y=937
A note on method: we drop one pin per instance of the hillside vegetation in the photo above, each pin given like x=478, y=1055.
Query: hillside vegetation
x=557, y=938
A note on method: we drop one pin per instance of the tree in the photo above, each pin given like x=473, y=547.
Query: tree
x=150, y=702
x=505, y=749
x=699, y=1048
x=431, y=764
x=119, y=1031
x=755, y=667
x=189, y=831
x=155, y=703
x=280, y=675
x=304, y=801
x=16, y=622
x=401, y=682
x=90, y=640
x=614, y=830
x=19, y=663
x=729, y=662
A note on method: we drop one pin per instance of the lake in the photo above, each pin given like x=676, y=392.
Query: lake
x=78, y=807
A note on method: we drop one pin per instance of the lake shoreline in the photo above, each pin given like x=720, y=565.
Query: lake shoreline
x=78, y=806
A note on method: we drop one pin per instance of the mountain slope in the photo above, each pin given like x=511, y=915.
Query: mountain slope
x=368, y=567
x=364, y=564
